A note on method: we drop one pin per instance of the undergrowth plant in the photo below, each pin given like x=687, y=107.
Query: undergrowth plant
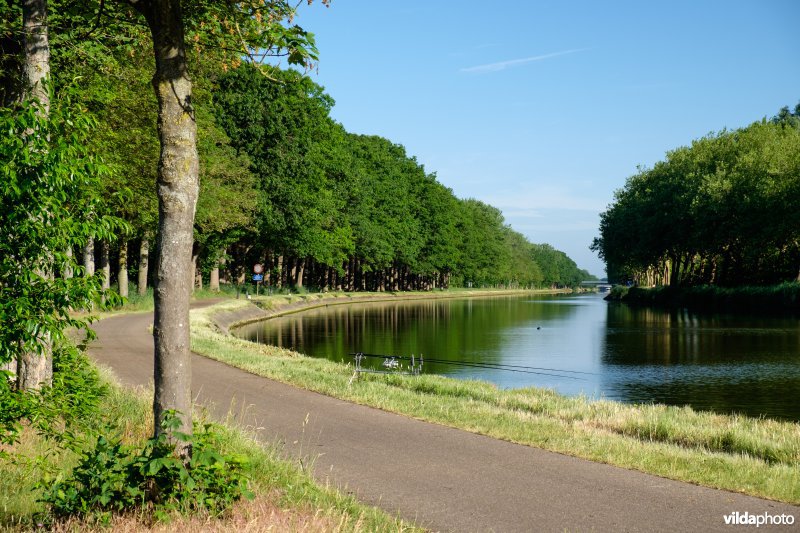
x=111, y=477
x=61, y=411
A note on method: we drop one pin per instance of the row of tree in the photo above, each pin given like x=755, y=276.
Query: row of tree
x=281, y=183
x=722, y=211
x=339, y=210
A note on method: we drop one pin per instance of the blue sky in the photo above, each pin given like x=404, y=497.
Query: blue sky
x=543, y=109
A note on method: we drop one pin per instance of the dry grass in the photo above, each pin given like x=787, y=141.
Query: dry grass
x=262, y=514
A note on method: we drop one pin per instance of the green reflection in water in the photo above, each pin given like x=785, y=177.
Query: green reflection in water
x=723, y=363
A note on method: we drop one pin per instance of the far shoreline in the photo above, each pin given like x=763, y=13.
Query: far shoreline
x=775, y=300
x=274, y=306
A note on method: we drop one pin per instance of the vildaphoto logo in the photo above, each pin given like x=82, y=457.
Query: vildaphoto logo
x=763, y=519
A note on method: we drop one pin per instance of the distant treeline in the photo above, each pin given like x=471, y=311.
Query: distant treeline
x=340, y=210
x=723, y=211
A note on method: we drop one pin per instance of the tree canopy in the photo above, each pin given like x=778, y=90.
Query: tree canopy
x=721, y=211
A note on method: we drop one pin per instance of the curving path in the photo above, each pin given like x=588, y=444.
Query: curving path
x=440, y=478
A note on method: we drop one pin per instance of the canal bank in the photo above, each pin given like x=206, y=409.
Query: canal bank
x=773, y=300
x=736, y=453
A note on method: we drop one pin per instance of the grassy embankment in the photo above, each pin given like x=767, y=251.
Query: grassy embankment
x=754, y=456
x=287, y=498
x=781, y=298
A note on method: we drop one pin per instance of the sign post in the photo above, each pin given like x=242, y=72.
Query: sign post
x=258, y=275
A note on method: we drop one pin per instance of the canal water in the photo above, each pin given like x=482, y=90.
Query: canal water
x=579, y=344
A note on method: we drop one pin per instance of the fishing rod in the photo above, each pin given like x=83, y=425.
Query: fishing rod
x=489, y=366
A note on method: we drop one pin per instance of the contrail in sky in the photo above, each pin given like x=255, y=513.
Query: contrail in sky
x=502, y=65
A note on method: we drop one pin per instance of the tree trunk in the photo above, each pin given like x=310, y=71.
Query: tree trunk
x=105, y=264
x=34, y=369
x=88, y=258
x=213, y=280
x=360, y=276
x=301, y=267
x=291, y=276
x=68, y=272
x=278, y=275
x=193, y=273
x=144, y=263
x=36, y=67
x=268, y=266
x=122, y=273
x=198, y=278
x=177, y=199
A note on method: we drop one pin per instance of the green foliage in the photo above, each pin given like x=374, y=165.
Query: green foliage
x=278, y=177
x=74, y=398
x=61, y=411
x=617, y=293
x=98, y=483
x=721, y=212
x=49, y=179
x=15, y=406
x=113, y=478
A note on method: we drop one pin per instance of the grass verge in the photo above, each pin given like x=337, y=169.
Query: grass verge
x=759, y=457
x=287, y=498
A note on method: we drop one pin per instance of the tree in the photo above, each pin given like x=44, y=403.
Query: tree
x=177, y=198
x=35, y=368
x=253, y=25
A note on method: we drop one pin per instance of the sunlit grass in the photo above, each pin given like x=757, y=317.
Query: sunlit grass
x=743, y=454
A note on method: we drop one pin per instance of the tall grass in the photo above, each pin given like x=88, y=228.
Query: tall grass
x=755, y=456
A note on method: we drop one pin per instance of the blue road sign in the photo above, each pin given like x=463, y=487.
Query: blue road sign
x=258, y=277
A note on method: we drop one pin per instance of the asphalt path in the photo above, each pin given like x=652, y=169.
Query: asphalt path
x=437, y=477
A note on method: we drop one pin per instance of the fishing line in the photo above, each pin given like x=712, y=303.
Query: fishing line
x=504, y=365
x=489, y=366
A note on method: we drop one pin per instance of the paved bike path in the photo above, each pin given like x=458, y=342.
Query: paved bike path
x=437, y=477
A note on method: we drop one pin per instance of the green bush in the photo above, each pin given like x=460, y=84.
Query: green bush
x=56, y=411
x=111, y=477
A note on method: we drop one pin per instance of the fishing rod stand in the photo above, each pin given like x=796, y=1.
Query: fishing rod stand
x=392, y=364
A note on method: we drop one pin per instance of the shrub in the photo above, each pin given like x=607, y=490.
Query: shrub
x=111, y=477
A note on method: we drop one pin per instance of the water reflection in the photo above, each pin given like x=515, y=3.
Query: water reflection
x=744, y=364
x=720, y=362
